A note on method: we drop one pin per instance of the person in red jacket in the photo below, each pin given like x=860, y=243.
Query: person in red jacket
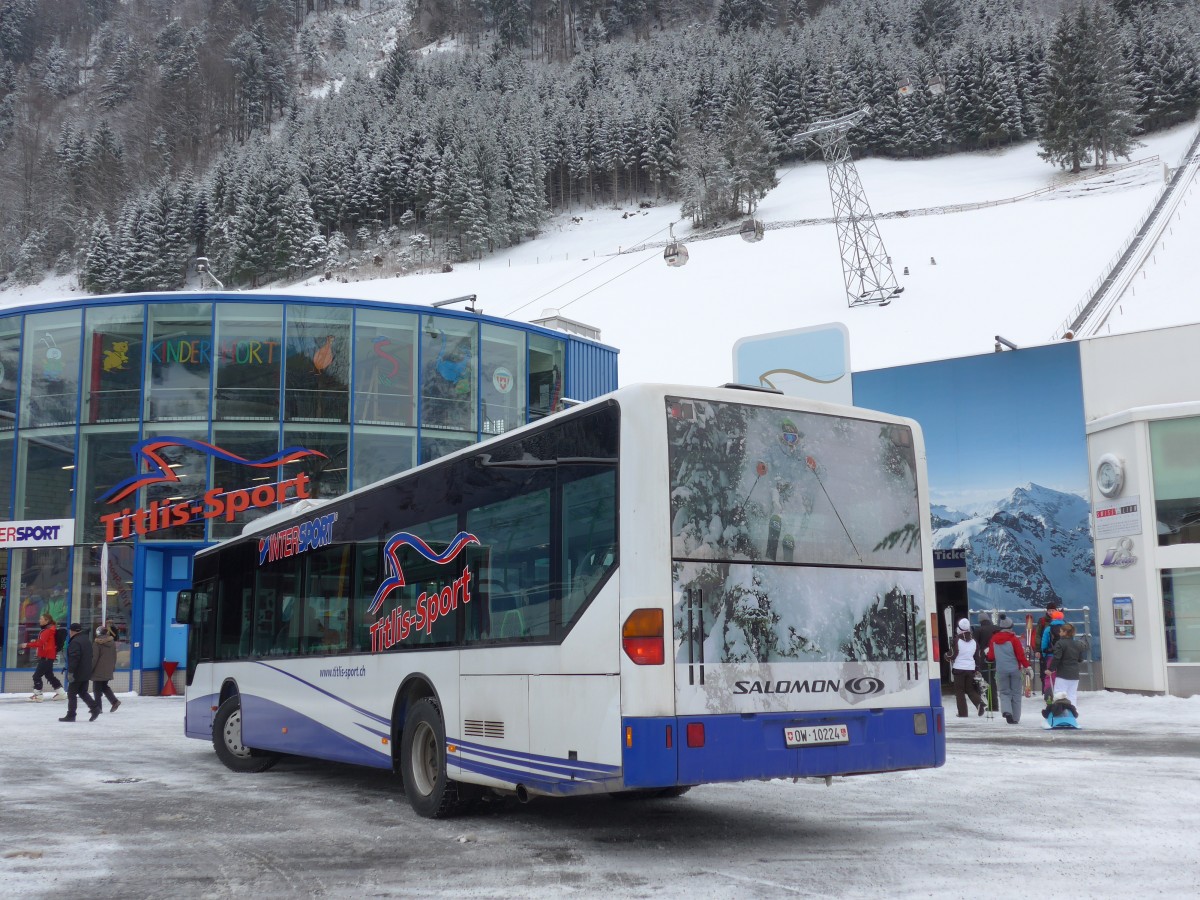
x=47, y=652
x=1006, y=652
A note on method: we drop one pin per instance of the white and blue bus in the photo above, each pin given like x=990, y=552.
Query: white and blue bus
x=664, y=587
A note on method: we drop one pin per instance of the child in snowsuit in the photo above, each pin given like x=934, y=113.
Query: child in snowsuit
x=1061, y=713
x=1065, y=663
x=1049, y=637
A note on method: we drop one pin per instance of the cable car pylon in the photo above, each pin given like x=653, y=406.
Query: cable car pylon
x=866, y=267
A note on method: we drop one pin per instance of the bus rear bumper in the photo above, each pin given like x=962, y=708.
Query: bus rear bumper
x=665, y=751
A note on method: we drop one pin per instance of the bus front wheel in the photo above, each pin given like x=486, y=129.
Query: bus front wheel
x=227, y=740
x=423, y=757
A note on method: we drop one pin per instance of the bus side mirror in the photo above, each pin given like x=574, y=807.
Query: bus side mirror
x=183, y=608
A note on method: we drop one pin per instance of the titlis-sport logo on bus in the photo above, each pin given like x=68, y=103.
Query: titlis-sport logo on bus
x=863, y=685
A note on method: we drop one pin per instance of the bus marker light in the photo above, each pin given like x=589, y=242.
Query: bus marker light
x=385, y=741
x=695, y=734
x=670, y=738
x=642, y=637
x=452, y=748
x=284, y=730
x=628, y=735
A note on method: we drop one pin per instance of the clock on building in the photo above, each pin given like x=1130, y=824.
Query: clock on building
x=1110, y=475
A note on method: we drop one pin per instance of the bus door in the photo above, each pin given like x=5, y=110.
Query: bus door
x=201, y=644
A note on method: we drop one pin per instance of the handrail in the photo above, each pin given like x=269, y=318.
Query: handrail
x=1079, y=315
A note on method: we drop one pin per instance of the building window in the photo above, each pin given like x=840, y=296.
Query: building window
x=6, y=475
x=115, y=604
x=50, y=369
x=1181, y=614
x=502, y=386
x=179, y=361
x=104, y=463
x=448, y=373
x=249, y=361
x=39, y=582
x=326, y=473
x=45, y=481
x=250, y=442
x=385, y=368
x=10, y=372
x=435, y=445
x=112, y=368
x=546, y=363
x=1173, y=444
x=317, y=378
x=190, y=467
x=380, y=453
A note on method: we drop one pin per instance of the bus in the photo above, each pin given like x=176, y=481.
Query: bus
x=663, y=587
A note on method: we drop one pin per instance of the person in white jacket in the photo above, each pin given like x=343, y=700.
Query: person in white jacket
x=963, y=669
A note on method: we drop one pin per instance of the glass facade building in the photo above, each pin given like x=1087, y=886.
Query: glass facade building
x=153, y=425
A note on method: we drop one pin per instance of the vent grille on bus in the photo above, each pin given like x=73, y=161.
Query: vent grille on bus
x=483, y=728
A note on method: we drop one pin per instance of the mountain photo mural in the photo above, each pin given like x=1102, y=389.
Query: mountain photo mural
x=1008, y=471
x=1024, y=550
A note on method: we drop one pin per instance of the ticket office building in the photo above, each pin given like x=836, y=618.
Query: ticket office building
x=154, y=425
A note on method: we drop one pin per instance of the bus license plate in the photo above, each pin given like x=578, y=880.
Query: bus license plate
x=816, y=734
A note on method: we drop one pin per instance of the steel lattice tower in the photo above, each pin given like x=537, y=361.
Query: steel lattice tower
x=866, y=267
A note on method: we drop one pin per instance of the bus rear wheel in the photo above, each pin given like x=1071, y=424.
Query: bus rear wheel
x=430, y=791
x=227, y=740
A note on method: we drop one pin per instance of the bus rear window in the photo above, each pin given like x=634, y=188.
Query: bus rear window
x=772, y=485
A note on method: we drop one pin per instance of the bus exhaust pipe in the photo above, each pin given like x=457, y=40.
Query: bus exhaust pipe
x=522, y=794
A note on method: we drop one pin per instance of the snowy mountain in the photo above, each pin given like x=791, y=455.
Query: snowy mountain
x=1030, y=547
x=944, y=517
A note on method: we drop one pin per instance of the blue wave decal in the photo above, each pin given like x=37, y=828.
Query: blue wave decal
x=150, y=450
x=358, y=709
x=559, y=786
x=581, y=769
x=395, y=577
x=268, y=725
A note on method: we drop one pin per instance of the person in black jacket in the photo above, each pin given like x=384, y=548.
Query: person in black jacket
x=79, y=670
x=984, y=632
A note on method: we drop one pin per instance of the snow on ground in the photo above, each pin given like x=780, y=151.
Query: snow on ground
x=127, y=806
x=1015, y=269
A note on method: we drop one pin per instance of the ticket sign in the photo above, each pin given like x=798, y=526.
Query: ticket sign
x=37, y=533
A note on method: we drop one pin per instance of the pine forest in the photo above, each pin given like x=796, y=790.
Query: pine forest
x=286, y=138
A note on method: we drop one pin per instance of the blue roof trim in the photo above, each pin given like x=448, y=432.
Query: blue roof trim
x=109, y=300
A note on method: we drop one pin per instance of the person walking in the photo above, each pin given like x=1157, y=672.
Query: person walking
x=104, y=662
x=47, y=652
x=963, y=668
x=983, y=639
x=1043, y=623
x=1009, y=657
x=1065, y=663
x=79, y=670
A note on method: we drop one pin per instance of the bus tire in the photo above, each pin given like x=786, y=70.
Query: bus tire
x=227, y=740
x=430, y=791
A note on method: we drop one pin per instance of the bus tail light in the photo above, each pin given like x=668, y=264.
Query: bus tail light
x=642, y=637
x=695, y=734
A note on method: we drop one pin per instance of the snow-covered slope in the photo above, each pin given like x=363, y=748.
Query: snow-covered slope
x=1015, y=269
